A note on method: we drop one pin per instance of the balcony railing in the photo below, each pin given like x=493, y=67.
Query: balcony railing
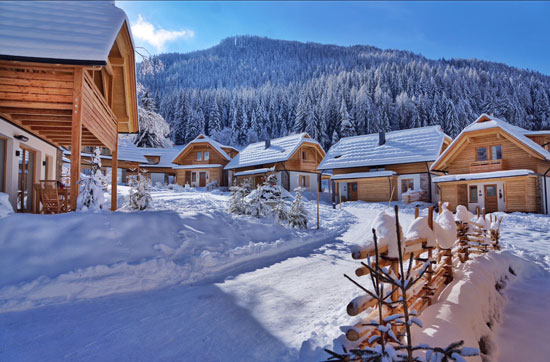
x=487, y=166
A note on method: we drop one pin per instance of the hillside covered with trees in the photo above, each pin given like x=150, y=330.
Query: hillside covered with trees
x=249, y=88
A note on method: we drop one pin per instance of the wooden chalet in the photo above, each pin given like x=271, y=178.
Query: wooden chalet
x=497, y=166
x=67, y=79
x=202, y=161
x=293, y=159
x=386, y=166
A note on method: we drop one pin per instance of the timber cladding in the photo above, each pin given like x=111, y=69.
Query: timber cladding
x=183, y=176
x=378, y=189
x=400, y=169
x=189, y=155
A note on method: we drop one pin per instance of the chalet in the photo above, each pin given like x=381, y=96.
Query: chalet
x=497, y=166
x=201, y=162
x=293, y=159
x=387, y=165
x=67, y=79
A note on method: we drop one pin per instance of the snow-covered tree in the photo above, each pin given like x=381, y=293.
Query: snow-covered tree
x=153, y=129
x=297, y=217
x=139, y=197
x=92, y=187
x=237, y=204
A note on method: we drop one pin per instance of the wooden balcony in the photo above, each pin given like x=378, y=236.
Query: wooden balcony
x=487, y=166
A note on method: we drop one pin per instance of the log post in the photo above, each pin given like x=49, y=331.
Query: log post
x=76, y=136
x=416, y=212
x=114, y=175
x=339, y=194
x=440, y=207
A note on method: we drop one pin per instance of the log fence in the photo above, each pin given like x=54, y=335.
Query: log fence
x=473, y=237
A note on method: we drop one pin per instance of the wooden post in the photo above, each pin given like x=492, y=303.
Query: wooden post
x=114, y=175
x=416, y=212
x=76, y=136
x=318, y=190
x=440, y=207
x=339, y=194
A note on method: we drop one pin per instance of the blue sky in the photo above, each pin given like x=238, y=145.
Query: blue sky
x=514, y=33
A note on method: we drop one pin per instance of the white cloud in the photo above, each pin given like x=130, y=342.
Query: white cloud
x=157, y=37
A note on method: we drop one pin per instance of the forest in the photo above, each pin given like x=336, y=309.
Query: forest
x=249, y=88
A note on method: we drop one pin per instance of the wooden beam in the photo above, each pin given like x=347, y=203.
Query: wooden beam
x=76, y=141
x=33, y=111
x=39, y=119
x=35, y=105
x=114, y=173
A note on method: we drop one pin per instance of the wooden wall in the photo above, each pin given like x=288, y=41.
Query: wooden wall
x=215, y=174
x=400, y=169
x=189, y=156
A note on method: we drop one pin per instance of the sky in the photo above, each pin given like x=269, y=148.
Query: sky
x=515, y=33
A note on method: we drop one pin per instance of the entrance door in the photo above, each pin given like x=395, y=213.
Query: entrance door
x=188, y=178
x=25, y=180
x=491, y=198
x=352, y=187
x=202, y=179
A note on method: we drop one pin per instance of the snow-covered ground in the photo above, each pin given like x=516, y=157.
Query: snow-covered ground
x=189, y=282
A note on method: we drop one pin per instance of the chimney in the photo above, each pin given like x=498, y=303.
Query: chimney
x=267, y=143
x=381, y=138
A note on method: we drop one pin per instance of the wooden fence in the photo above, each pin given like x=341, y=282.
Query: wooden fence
x=473, y=237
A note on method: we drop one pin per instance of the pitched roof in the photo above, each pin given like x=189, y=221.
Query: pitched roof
x=488, y=122
x=205, y=139
x=280, y=150
x=74, y=32
x=483, y=175
x=409, y=145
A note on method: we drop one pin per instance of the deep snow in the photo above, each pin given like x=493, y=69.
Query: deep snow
x=195, y=283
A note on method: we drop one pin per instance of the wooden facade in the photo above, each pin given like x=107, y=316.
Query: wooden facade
x=514, y=164
x=74, y=105
x=202, y=162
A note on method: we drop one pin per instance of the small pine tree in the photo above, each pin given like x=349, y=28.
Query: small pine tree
x=298, y=214
x=139, y=197
x=237, y=205
x=92, y=187
x=281, y=211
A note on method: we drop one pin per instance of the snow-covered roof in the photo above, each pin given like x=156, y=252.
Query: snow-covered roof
x=205, y=139
x=188, y=167
x=280, y=150
x=487, y=122
x=255, y=171
x=482, y=175
x=409, y=145
x=372, y=174
x=166, y=156
x=74, y=32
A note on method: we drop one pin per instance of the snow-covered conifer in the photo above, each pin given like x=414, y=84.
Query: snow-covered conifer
x=93, y=186
x=139, y=197
x=298, y=214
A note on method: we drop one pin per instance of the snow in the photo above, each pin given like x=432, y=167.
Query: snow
x=384, y=225
x=71, y=31
x=280, y=150
x=463, y=214
x=371, y=174
x=419, y=229
x=5, y=205
x=185, y=167
x=256, y=171
x=188, y=281
x=445, y=229
x=410, y=145
x=483, y=175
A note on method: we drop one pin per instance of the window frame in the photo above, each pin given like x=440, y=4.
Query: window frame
x=470, y=199
x=408, y=183
x=199, y=155
x=5, y=165
x=206, y=155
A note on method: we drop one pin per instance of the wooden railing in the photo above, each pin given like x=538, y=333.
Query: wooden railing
x=472, y=238
x=487, y=166
x=97, y=116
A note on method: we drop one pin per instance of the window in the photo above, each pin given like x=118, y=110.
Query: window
x=206, y=156
x=496, y=153
x=491, y=191
x=199, y=156
x=473, y=193
x=407, y=184
x=304, y=181
x=304, y=156
x=482, y=154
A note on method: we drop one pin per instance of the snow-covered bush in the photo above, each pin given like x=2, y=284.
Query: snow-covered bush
x=237, y=205
x=5, y=205
x=281, y=211
x=92, y=187
x=298, y=214
x=139, y=197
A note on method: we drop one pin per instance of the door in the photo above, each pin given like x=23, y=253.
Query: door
x=491, y=198
x=26, y=179
x=202, y=179
x=352, y=187
x=187, y=178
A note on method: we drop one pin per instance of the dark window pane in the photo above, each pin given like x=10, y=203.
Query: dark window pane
x=473, y=193
x=491, y=191
x=482, y=154
x=496, y=152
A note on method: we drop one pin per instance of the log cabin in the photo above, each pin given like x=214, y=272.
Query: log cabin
x=67, y=79
x=293, y=159
x=201, y=162
x=494, y=165
x=386, y=166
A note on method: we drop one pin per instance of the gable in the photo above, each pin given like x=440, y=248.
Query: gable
x=188, y=154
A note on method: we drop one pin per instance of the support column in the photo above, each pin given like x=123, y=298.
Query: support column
x=76, y=136
x=114, y=175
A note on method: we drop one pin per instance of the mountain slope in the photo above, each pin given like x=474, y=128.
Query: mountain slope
x=249, y=88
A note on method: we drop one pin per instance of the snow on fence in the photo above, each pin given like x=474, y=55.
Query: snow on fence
x=430, y=249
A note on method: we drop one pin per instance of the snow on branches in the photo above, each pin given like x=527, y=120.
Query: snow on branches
x=92, y=187
x=154, y=132
x=298, y=214
x=139, y=197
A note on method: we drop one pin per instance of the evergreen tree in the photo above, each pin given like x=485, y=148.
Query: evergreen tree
x=92, y=187
x=297, y=217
